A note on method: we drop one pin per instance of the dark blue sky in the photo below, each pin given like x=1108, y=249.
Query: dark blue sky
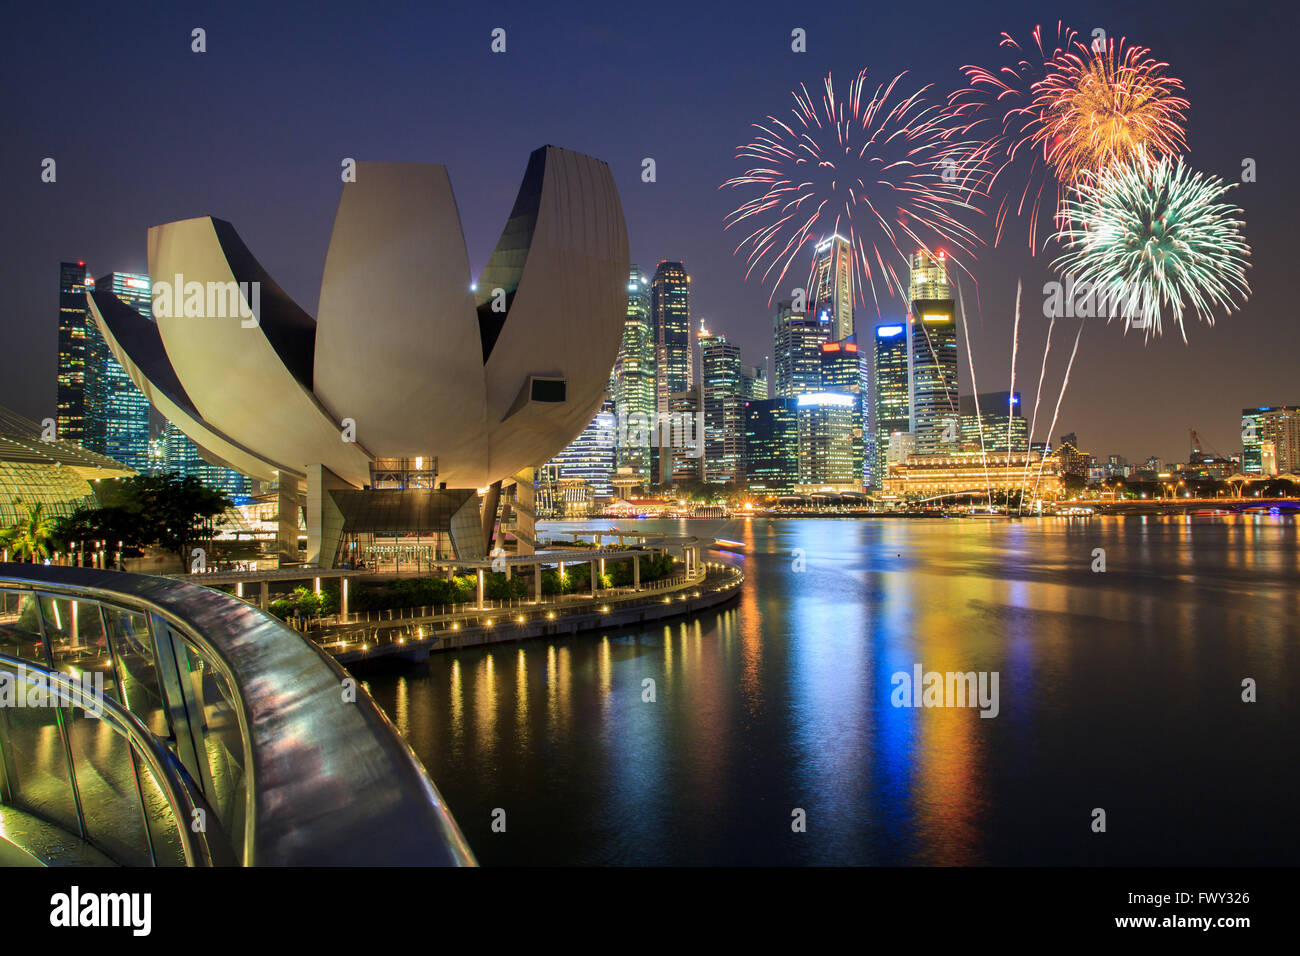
x=254, y=130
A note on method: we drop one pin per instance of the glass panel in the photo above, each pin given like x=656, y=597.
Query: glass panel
x=35, y=762
x=220, y=740
x=162, y=822
x=20, y=626
x=141, y=689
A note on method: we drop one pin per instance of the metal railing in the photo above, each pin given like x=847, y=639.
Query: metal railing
x=249, y=728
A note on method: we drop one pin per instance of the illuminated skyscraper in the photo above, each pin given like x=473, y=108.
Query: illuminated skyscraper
x=844, y=373
x=670, y=315
x=117, y=412
x=797, y=338
x=893, y=394
x=590, y=456
x=932, y=330
x=833, y=285
x=71, y=419
x=771, y=444
x=720, y=383
x=1277, y=426
x=1004, y=428
x=632, y=383
x=829, y=455
x=171, y=451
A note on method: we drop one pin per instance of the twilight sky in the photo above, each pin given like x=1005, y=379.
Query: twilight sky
x=253, y=131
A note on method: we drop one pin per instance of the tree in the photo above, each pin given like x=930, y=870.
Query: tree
x=164, y=510
x=30, y=537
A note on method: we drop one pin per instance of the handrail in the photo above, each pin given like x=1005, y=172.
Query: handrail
x=182, y=793
x=329, y=781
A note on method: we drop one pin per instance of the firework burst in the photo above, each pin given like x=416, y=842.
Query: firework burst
x=1098, y=106
x=872, y=167
x=1159, y=236
x=997, y=109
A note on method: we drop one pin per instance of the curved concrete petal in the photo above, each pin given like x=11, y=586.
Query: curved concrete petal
x=564, y=258
x=250, y=381
x=397, y=337
x=137, y=346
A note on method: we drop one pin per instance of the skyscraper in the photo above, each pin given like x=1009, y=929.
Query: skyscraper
x=172, y=452
x=720, y=381
x=893, y=394
x=753, y=382
x=797, y=338
x=1275, y=425
x=771, y=444
x=932, y=330
x=117, y=412
x=590, y=456
x=670, y=315
x=833, y=285
x=71, y=420
x=998, y=420
x=844, y=373
x=829, y=456
x=633, y=379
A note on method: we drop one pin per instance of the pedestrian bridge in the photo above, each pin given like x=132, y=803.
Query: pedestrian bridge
x=151, y=722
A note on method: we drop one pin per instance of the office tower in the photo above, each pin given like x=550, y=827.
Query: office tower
x=932, y=330
x=590, y=457
x=797, y=338
x=633, y=379
x=829, y=455
x=928, y=278
x=720, y=382
x=771, y=444
x=680, y=455
x=753, y=382
x=844, y=373
x=893, y=405
x=117, y=412
x=670, y=316
x=1277, y=426
x=833, y=285
x=71, y=418
x=170, y=451
x=1004, y=428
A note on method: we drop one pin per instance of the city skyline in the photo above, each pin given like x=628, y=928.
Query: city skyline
x=679, y=214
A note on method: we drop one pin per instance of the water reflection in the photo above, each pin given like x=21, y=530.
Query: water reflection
x=1111, y=686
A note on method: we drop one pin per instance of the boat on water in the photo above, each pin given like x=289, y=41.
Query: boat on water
x=726, y=544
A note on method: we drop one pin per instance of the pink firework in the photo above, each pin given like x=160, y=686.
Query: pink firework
x=1007, y=163
x=874, y=168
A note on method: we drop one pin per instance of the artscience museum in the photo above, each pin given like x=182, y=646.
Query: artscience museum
x=416, y=393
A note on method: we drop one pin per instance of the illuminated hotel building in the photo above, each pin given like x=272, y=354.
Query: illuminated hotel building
x=590, y=456
x=632, y=383
x=797, y=339
x=1275, y=425
x=117, y=412
x=830, y=454
x=670, y=316
x=71, y=420
x=771, y=444
x=932, y=330
x=961, y=473
x=833, y=285
x=893, y=404
x=844, y=372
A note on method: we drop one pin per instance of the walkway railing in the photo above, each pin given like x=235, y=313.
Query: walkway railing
x=240, y=741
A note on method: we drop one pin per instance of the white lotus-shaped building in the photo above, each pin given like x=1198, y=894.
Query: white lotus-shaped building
x=409, y=367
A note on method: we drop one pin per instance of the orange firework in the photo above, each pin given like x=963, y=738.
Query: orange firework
x=1100, y=104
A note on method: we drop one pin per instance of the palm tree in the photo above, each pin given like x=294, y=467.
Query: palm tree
x=30, y=538
x=8, y=542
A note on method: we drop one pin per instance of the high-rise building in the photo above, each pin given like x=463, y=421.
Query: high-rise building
x=753, y=382
x=932, y=329
x=117, y=412
x=590, y=456
x=1275, y=425
x=670, y=316
x=632, y=383
x=720, y=382
x=171, y=451
x=71, y=420
x=844, y=373
x=833, y=285
x=771, y=444
x=681, y=458
x=797, y=338
x=997, y=415
x=928, y=278
x=893, y=405
x=1074, y=463
x=829, y=452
